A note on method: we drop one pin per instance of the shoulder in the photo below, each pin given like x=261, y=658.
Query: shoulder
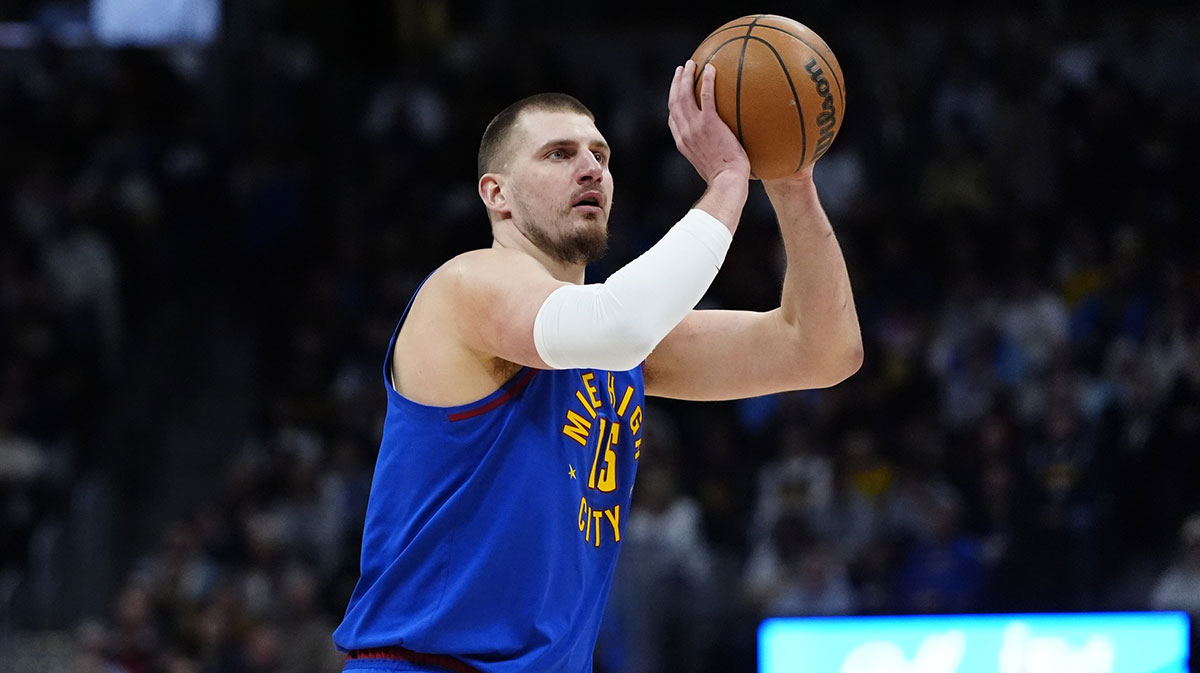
x=483, y=268
x=486, y=259
x=491, y=280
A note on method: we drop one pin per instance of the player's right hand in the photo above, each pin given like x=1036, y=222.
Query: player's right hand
x=700, y=134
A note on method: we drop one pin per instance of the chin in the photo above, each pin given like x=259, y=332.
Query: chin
x=587, y=245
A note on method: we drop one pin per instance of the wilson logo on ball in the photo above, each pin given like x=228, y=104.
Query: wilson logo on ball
x=827, y=120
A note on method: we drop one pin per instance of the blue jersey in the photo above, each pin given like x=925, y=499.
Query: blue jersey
x=493, y=528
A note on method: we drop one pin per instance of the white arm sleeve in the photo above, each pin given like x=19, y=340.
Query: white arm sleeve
x=614, y=325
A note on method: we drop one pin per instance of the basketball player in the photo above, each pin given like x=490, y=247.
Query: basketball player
x=515, y=391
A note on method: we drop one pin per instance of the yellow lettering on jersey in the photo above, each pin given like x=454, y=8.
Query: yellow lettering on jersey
x=598, y=516
x=578, y=427
x=637, y=446
x=625, y=401
x=596, y=459
x=614, y=517
x=612, y=391
x=591, y=389
x=635, y=421
x=587, y=407
x=607, y=481
x=592, y=520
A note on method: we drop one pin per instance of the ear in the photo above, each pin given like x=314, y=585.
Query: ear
x=492, y=193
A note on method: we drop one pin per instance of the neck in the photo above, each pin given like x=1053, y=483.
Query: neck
x=506, y=235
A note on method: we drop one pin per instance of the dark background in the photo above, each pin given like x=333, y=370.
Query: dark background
x=204, y=250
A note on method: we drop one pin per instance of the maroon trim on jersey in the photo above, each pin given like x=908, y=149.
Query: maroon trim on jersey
x=400, y=654
x=512, y=391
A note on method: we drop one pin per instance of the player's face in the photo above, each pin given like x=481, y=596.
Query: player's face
x=560, y=185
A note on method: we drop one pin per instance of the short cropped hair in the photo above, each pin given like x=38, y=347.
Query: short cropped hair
x=498, y=131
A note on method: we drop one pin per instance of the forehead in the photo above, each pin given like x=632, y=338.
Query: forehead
x=537, y=127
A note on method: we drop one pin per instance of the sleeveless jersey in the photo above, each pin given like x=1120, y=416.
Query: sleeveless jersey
x=493, y=528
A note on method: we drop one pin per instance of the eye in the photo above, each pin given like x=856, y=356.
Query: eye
x=556, y=155
x=599, y=156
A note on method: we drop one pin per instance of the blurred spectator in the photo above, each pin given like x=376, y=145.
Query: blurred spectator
x=991, y=476
x=81, y=268
x=668, y=591
x=918, y=506
x=1178, y=586
x=1034, y=319
x=869, y=473
x=135, y=638
x=942, y=570
x=262, y=649
x=798, y=482
x=304, y=626
x=851, y=519
x=92, y=653
x=1069, y=491
x=798, y=574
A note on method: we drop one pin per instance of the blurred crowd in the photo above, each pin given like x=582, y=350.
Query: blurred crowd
x=204, y=251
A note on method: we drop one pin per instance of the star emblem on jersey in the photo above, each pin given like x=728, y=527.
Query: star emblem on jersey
x=572, y=468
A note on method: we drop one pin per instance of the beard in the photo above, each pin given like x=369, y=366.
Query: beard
x=581, y=245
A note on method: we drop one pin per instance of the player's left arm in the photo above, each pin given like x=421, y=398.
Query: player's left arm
x=812, y=340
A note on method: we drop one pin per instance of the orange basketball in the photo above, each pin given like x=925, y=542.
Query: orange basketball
x=778, y=87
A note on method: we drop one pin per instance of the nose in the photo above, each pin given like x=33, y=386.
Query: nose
x=590, y=170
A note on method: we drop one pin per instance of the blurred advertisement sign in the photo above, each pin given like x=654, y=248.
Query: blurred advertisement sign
x=110, y=23
x=1129, y=642
x=155, y=22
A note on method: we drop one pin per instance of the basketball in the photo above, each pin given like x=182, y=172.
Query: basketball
x=778, y=87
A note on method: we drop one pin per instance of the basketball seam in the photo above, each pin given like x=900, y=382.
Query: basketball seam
x=738, y=93
x=754, y=24
x=828, y=65
x=737, y=96
x=795, y=97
